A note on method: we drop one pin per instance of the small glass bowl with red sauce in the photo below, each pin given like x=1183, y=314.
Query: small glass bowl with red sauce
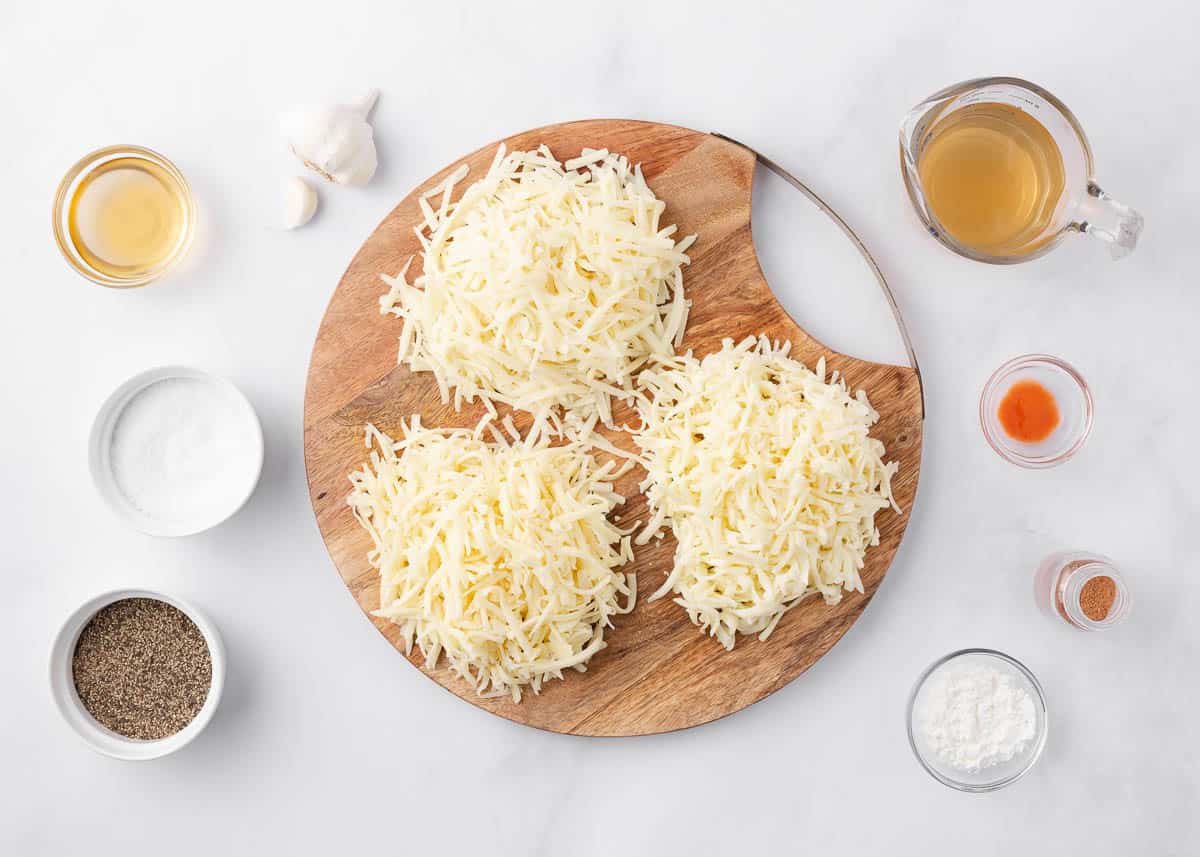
x=1036, y=411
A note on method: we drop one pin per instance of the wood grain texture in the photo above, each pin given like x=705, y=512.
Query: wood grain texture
x=659, y=672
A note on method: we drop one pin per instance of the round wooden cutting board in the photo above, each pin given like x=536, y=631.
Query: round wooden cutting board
x=659, y=671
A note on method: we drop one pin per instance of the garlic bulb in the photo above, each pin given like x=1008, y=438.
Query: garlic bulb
x=299, y=202
x=337, y=142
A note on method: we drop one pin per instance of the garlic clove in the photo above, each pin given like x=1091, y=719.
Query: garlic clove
x=299, y=202
x=335, y=142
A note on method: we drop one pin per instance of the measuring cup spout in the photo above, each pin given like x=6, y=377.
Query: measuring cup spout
x=1114, y=223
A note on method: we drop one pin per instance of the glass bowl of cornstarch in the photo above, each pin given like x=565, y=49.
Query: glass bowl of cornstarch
x=977, y=720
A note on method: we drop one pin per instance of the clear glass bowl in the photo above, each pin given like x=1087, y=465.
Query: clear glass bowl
x=79, y=173
x=998, y=776
x=1071, y=394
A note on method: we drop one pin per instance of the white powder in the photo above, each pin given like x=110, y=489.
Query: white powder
x=974, y=715
x=180, y=452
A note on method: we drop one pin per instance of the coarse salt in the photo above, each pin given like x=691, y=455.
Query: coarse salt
x=179, y=451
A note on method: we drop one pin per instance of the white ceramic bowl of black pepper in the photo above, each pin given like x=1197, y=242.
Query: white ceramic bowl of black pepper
x=83, y=723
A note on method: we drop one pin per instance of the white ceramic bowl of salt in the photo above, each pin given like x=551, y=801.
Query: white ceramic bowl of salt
x=175, y=451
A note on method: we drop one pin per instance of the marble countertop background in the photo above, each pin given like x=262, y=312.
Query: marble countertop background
x=326, y=741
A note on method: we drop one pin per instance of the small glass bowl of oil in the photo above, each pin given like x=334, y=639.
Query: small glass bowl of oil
x=124, y=216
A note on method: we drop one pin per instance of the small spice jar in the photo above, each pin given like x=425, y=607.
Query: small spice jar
x=1083, y=589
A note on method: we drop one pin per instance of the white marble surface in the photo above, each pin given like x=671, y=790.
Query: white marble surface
x=327, y=742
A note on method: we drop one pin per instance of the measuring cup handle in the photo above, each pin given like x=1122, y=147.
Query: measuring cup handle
x=1114, y=223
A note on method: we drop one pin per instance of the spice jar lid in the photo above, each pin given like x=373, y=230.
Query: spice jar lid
x=97, y=736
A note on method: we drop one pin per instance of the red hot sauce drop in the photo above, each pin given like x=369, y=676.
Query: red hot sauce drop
x=1028, y=412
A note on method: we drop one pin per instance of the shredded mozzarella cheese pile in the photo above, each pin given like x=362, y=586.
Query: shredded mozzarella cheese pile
x=546, y=286
x=767, y=477
x=498, y=554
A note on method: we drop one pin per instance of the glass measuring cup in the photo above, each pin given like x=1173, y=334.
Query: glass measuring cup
x=1081, y=205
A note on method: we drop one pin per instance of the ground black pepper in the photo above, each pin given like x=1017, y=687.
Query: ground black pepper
x=142, y=668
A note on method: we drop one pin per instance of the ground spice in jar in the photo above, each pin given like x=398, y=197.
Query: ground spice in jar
x=1096, y=598
x=1085, y=590
x=142, y=668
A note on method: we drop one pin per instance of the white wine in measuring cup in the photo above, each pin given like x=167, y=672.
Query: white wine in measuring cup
x=999, y=171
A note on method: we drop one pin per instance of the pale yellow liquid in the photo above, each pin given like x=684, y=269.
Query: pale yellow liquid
x=127, y=217
x=992, y=176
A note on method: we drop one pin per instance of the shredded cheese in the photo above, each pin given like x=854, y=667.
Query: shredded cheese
x=498, y=554
x=767, y=477
x=545, y=286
